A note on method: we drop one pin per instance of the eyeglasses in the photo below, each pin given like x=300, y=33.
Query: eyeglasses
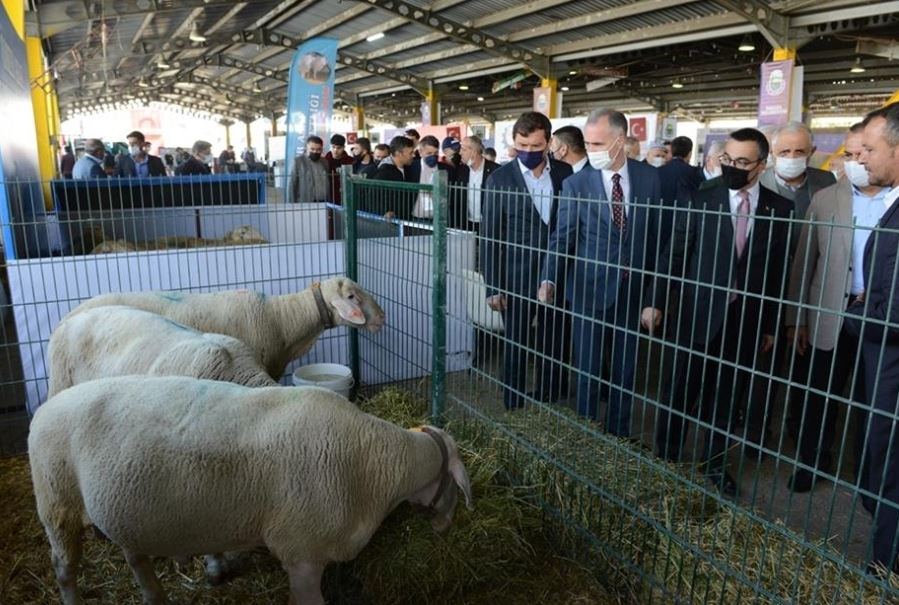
x=741, y=163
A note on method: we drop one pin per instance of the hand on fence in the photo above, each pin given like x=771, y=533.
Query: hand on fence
x=798, y=337
x=497, y=302
x=767, y=343
x=546, y=292
x=651, y=319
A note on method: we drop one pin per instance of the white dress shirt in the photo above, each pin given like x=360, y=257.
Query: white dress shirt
x=891, y=197
x=734, y=196
x=424, y=205
x=541, y=190
x=579, y=165
x=475, y=183
x=625, y=186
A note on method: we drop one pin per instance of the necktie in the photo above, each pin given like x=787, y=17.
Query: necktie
x=618, y=216
x=742, y=223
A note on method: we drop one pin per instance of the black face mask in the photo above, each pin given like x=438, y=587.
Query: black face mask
x=734, y=178
x=315, y=156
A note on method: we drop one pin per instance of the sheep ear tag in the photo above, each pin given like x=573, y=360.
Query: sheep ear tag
x=349, y=311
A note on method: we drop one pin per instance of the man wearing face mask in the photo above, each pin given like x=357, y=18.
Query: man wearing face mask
x=450, y=148
x=632, y=148
x=567, y=146
x=724, y=256
x=519, y=213
x=363, y=162
x=429, y=166
x=657, y=154
x=471, y=180
x=90, y=165
x=198, y=162
x=791, y=176
x=608, y=219
x=827, y=277
x=137, y=162
x=310, y=181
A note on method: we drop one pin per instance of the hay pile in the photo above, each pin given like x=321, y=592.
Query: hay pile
x=632, y=504
x=495, y=555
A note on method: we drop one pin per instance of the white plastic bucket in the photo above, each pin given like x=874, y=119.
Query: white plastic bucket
x=334, y=376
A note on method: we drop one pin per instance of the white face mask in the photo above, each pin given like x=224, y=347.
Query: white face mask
x=657, y=161
x=208, y=158
x=715, y=172
x=601, y=160
x=790, y=168
x=134, y=150
x=856, y=174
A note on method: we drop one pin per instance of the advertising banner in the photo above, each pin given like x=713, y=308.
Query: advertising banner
x=774, y=93
x=310, y=97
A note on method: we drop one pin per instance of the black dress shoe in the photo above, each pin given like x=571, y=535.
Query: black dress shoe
x=801, y=481
x=724, y=483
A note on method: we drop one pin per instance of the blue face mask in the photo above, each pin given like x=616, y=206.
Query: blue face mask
x=531, y=159
x=431, y=161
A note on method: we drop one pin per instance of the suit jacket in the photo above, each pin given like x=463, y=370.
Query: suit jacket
x=88, y=168
x=310, y=181
x=816, y=180
x=881, y=301
x=820, y=275
x=513, y=236
x=126, y=167
x=379, y=201
x=459, y=193
x=585, y=229
x=701, y=259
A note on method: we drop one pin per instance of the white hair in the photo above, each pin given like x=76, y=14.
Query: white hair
x=792, y=128
x=715, y=149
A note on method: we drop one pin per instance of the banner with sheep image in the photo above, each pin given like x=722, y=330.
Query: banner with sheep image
x=310, y=97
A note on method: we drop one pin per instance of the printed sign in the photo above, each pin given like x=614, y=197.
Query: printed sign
x=774, y=93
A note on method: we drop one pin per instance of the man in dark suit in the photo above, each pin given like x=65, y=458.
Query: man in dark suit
x=875, y=319
x=391, y=168
x=608, y=219
x=519, y=213
x=137, y=162
x=471, y=179
x=671, y=175
x=727, y=252
x=428, y=166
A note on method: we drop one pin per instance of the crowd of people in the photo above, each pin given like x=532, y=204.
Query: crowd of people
x=762, y=274
x=98, y=162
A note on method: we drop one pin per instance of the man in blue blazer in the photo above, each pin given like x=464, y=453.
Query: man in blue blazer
x=875, y=318
x=727, y=255
x=519, y=208
x=137, y=162
x=608, y=220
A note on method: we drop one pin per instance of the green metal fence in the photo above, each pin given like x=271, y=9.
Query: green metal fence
x=657, y=521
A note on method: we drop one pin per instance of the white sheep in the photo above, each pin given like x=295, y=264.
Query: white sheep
x=119, y=340
x=279, y=328
x=174, y=466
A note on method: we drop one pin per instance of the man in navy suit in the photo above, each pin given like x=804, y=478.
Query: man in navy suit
x=728, y=255
x=875, y=318
x=519, y=212
x=137, y=162
x=608, y=220
x=671, y=175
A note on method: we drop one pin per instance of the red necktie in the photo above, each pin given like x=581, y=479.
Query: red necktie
x=618, y=216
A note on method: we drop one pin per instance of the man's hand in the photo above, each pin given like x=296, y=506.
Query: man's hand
x=797, y=337
x=651, y=319
x=497, y=302
x=767, y=343
x=546, y=292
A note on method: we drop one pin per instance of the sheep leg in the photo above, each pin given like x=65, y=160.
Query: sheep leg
x=305, y=583
x=150, y=587
x=66, y=555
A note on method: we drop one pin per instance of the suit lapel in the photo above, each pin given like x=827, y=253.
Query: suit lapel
x=883, y=222
x=638, y=212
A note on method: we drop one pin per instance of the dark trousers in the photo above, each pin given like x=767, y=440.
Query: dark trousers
x=759, y=404
x=811, y=415
x=609, y=340
x=700, y=372
x=523, y=342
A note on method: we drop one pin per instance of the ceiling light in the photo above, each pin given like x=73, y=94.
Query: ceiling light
x=565, y=89
x=857, y=67
x=746, y=44
x=573, y=72
x=195, y=34
x=480, y=98
x=375, y=37
x=463, y=86
x=677, y=84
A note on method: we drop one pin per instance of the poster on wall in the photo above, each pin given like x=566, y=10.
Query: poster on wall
x=21, y=194
x=638, y=129
x=774, y=93
x=542, y=96
x=310, y=96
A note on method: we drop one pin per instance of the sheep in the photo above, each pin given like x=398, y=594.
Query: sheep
x=245, y=234
x=113, y=246
x=118, y=340
x=279, y=328
x=175, y=466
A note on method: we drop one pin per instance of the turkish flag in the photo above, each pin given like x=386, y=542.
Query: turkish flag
x=351, y=138
x=638, y=128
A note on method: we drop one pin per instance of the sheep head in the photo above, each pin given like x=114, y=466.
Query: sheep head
x=352, y=306
x=439, y=497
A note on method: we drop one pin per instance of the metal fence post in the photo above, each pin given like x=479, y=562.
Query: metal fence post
x=351, y=255
x=440, y=196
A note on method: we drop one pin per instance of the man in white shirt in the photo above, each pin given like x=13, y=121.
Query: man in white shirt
x=567, y=146
x=471, y=178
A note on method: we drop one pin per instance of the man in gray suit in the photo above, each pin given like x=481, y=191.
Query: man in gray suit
x=309, y=182
x=826, y=278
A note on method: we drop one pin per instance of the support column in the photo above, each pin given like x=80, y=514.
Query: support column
x=274, y=119
x=552, y=87
x=359, y=120
x=41, y=85
x=249, y=138
x=782, y=54
x=433, y=107
x=227, y=124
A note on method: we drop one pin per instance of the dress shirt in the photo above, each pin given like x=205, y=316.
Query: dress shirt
x=625, y=187
x=891, y=197
x=575, y=168
x=142, y=168
x=541, y=190
x=475, y=183
x=734, y=197
x=424, y=205
x=866, y=213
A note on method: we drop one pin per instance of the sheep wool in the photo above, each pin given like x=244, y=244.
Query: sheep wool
x=118, y=341
x=217, y=466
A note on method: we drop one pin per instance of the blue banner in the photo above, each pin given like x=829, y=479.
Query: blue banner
x=310, y=97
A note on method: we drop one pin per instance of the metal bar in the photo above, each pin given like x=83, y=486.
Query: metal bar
x=440, y=198
x=348, y=199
